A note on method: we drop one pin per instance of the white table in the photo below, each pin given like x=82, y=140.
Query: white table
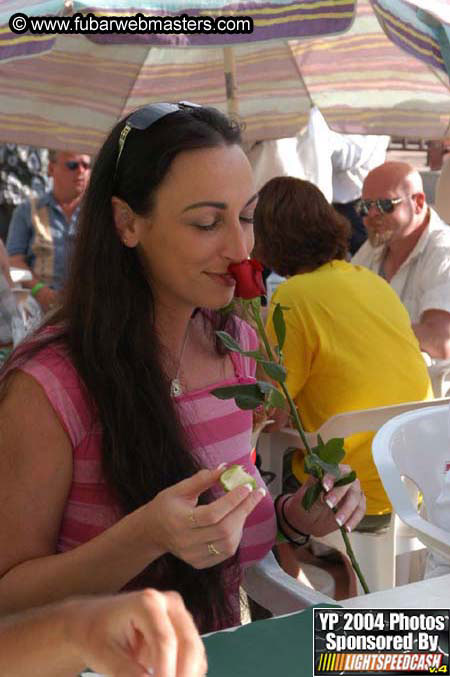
x=434, y=593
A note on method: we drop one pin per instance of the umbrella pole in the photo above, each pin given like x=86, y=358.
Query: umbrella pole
x=230, y=81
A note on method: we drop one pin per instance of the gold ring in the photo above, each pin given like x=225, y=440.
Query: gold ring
x=212, y=550
x=192, y=518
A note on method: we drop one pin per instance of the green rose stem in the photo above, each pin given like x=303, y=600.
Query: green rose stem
x=254, y=307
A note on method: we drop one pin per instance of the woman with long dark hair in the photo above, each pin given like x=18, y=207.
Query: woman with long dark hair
x=111, y=441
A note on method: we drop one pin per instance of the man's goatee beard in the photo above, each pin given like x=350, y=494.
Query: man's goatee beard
x=377, y=238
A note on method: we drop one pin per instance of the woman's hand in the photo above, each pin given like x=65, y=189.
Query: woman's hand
x=320, y=519
x=201, y=535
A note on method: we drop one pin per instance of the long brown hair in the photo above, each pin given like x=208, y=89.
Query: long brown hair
x=106, y=323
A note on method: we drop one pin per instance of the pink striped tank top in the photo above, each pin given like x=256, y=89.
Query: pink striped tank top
x=218, y=430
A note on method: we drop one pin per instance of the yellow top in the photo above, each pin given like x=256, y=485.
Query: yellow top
x=349, y=345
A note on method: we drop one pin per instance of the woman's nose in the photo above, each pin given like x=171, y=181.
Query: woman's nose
x=239, y=243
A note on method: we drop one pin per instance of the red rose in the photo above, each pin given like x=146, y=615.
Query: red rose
x=248, y=276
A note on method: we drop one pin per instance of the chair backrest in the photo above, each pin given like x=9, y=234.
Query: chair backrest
x=272, y=445
x=415, y=445
x=364, y=420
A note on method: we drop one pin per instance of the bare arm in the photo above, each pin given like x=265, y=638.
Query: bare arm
x=35, y=479
x=433, y=333
x=118, y=635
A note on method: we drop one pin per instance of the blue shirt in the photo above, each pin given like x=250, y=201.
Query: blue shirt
x=44, y=237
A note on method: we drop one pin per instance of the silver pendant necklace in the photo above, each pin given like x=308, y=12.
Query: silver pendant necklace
x=176, y=389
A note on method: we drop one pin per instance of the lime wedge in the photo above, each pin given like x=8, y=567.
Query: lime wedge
x=235, y=476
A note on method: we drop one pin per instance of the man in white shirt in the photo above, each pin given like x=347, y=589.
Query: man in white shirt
x=409, y=245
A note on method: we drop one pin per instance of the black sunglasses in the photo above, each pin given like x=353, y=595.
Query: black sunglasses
x=73, y=165
x=147, y=116
x=384, y=205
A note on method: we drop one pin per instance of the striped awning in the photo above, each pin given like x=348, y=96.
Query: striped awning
x=361, y=81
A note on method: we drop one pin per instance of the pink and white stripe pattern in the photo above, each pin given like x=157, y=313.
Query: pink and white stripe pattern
x=218, y=431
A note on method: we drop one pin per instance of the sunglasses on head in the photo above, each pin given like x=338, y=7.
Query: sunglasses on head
x=73, y=165
x=147, y=116
x=384, y=205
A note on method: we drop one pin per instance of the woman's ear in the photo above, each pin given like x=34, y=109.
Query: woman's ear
x=124, y=221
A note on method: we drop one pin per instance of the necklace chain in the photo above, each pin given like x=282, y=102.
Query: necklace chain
x=176, y=389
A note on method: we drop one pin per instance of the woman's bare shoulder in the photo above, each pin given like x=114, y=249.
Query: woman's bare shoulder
x=26, y=412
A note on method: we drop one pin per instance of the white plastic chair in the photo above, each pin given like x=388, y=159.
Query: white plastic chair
x=271, y=446
x=416, y=446
x=267, y=584
x=439, y=373
x=378, y=553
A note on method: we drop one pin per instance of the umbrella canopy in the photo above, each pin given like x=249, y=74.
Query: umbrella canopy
x=66, y=91
x=420, y=27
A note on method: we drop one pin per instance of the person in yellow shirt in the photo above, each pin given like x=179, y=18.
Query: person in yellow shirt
x=349, y=342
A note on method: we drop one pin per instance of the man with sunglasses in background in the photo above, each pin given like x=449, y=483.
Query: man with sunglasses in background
x=409, y=245
x=42, y=231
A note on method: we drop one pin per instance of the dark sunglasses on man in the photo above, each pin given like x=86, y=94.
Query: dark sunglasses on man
x=74, y=164
x=385, y=205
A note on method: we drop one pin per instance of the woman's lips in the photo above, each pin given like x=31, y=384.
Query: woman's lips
x=225, y=279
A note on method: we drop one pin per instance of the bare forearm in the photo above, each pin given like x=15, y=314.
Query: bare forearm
x=113, y=635
x=37, y=643
x=100, y=566
x=433, y=339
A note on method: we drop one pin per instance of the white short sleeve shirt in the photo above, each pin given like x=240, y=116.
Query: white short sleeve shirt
x=423, y=280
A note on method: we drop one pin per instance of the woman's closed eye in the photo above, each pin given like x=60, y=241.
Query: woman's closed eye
x=208, y=226
x=211, y=225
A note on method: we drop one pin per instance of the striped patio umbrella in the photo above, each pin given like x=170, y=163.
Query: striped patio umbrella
x=67, y=90
x=420, y=27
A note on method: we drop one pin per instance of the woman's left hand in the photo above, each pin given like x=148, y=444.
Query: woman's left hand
x=320, y=519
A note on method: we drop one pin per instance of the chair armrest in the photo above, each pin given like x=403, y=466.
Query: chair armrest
x=429, y=534
x=268, y=585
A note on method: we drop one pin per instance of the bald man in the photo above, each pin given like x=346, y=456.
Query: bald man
x=409, y=245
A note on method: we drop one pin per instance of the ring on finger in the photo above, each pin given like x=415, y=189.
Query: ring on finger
x=212, y=550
